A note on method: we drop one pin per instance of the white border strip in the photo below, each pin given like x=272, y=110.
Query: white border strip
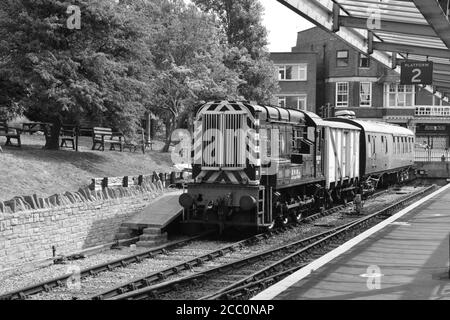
x=289, y=281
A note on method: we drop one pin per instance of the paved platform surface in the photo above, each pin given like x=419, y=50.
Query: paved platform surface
x=159, y=213
x=407, y=259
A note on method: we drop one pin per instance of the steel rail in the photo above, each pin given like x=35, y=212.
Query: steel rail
x=255, y=286
x=48, y=285
x=153, y=290
x=157, y=276
x=188, y=265
x=242, y=286
x=324, y=238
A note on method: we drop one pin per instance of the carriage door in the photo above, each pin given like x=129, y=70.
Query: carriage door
x=374, y=153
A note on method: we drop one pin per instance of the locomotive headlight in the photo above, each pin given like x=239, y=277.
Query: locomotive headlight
x=198, y=179
x=186, y=200
x=247, y=202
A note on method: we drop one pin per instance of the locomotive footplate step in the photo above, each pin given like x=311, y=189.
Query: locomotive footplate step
x=391, y=261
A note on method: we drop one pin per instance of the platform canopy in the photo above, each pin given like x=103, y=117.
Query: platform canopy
x=389, y=30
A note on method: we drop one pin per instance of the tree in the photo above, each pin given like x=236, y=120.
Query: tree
x=189, y=53
x=241, y=22
x=102, y=71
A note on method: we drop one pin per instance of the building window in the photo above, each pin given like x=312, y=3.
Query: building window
x=293, y=101
x=282, y=102
x=437, y=101
x=342, y=58
x=297, y=72
x=341, y=94
x=364, y=61
x=400, y=95
x=365, y=94
x=301, y=102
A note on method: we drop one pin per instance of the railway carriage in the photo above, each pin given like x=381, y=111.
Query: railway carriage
x=387, y=152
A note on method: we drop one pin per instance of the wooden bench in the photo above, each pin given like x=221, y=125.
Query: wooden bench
x=33, y=127
x=100, y=136
x=10, y=133
x=69, y=133
x=144, y=144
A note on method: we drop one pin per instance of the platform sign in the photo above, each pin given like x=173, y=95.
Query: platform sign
x=417, y=72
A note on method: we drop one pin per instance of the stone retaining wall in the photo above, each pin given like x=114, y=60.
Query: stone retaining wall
x=31, y=226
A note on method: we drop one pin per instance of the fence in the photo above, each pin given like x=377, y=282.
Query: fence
x=167, y=179
x=431, y=155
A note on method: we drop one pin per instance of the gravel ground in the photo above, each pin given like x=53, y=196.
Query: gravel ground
x=105, y=280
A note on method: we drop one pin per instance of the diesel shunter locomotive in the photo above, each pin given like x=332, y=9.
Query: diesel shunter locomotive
x=255, y=166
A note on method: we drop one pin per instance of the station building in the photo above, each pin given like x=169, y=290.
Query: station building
x=297, y=76
x=349, y=80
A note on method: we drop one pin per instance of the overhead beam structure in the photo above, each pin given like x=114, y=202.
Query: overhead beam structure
x=389, y=31
x=389, y=26
x=409, y=49
x=437, y=19
x=320, y=13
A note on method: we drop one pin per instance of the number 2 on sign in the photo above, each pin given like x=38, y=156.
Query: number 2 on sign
x=417, y=73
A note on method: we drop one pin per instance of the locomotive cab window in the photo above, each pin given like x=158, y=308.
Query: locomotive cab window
x=284, y=145
x=300, y=142
x=296, y=140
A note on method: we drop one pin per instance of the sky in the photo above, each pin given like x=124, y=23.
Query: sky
x=282, y=25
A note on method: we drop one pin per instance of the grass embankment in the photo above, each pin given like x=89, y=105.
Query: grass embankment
x=31, y=169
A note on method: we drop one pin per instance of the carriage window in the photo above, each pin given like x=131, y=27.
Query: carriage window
x=393, y=145
x=387, y=149
x=374, y=145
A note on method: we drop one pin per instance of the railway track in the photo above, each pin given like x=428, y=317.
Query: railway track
x=61, y=281
x=46, y=286
x=164, y=273
x=242, y=278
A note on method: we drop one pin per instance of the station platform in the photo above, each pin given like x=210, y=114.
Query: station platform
x=405, y=257
x=158, y=214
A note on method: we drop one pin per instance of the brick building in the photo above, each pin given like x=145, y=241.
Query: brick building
x=349, y=80
x=297, y=76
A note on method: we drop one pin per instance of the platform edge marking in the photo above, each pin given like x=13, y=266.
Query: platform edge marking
x=289, y=281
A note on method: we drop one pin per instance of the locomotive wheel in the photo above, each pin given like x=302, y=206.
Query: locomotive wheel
x=278, y=223
x=272, y=226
